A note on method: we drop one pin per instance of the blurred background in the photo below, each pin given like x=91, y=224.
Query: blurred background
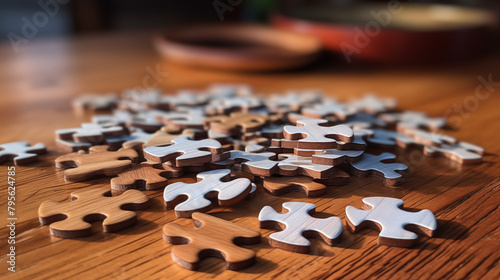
x=380, y=32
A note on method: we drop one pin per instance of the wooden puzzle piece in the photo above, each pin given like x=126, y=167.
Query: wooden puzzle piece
x=330, y=156
x=72, y=219
x=311, y=135
x=96, y=101
x=396, y=226
x=189, y=198
x=363, y=121
x=338, y=178
x=297, y=225
x=68, y=146
x=374, y=165
x=327, y=109
x=80, y=165
x=282, y=185
x=211, y=237
x=260, y=164
x=236, y=123
x=414, y=119
x=462, y=152
x=223, y=91
x=293, y=101
x=292, y=165
x=428, y=138
x=372, y=104
x=138, y=100
x=145, y=121
x=118, y=118
x=184, y=117
x=235, y=104
x=21, y=152
x=388, y=139
x=139, y=176
x=188, y=98
x=185, y=151
x=142, y=139
x=90, y=133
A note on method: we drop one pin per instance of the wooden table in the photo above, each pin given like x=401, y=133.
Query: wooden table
x=38, y=84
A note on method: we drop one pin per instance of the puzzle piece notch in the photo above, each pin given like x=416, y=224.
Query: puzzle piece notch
x=385, y=214
x=72, y=219
x=309, y=134
x=80, y=165
x=211, y=237
x=372, y=165
x=21, y=152
x=186, y=199
x=462, y=152
x=185, y=152
x=282, y=185
x=296, y=225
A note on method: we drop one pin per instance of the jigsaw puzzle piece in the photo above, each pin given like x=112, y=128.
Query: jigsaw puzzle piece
x=21, y=152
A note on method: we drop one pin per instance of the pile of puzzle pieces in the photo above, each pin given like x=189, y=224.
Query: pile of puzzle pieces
x=296, y=141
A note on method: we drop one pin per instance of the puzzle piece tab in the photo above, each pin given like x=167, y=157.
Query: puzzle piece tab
x=211, y=184
x=72, y=219
x=140, y=176
x=385, y=214
x=211, y=237
x=21, y=152
x=298, y=225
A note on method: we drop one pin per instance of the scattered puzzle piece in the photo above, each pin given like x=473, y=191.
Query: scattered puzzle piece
x=184, y=117
x=185, y=152
x=292, y=165
x=429, y=138
x=385, y=214
x=282, y=185
x=327, y=109
x=90, y=133
x=414, y=119
x=68, y=146
x=372, y=165
x=311, y=135
x=72, y=219
x=462, y=152
x=140, y=176
x=260, y=164
x=80, y=166
x=21, y=152
x=211, y=184
x=211, y=237
x=297, y=225
x=372, y=104
x=388, y=139
x=236, y=123
x=330, y=156
x=96, y=101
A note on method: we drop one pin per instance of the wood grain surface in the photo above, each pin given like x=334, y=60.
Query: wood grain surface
x=38, y=84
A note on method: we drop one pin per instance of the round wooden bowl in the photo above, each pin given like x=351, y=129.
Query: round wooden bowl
x=398, y=34
x=238, y=47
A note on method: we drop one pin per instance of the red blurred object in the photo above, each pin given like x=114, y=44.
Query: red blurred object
x=418, y=33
